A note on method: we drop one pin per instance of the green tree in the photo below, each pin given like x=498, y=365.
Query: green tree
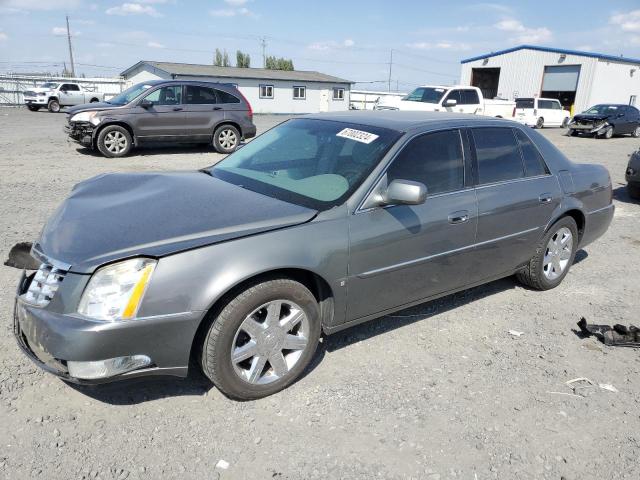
x=217, y=60
x=242, y=59
x=273, y=63
x=225, y=59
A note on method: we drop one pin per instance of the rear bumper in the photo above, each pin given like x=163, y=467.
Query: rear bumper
x=596, y=224
x=249, y=131
x=51, y=339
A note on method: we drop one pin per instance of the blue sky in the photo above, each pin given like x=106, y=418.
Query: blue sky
x=350, y=39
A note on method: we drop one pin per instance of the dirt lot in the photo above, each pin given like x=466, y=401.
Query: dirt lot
x=439, y=391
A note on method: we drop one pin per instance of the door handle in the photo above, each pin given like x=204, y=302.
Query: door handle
x=217, y=108
x=177, y=109
x=545, y=198
x=459, y=217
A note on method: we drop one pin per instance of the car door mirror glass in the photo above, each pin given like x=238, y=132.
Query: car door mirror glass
x=404, y=192
x=146, y=103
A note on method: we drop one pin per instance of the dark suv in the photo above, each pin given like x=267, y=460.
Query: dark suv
x=164, y=111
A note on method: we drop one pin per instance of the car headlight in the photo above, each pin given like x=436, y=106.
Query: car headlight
x=87, y=117
x=42, y=94
x=115, y=292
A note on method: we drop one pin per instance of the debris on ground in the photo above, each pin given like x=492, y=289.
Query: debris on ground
x=608, y=386
x=616, y=336
x=580, y=386
x=515, y=333
x=222, y=464
x=20, y=257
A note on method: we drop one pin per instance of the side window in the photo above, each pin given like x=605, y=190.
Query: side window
x=470, y=97
x=453, y=95
x=498, y=155
x=226, y=97
x=546, y=104
x=171, y=95
x=196, y=95
x=434, y=159
x=556, y=106
x=72, y=88
x=533, y=161
x=338, y=94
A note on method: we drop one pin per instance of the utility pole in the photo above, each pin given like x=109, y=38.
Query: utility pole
x=73, y=70
x=390, y=65
x=263, y=44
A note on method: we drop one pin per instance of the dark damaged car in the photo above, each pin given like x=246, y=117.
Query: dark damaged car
x=167, y=111
x=605, y=121
x=319, y=224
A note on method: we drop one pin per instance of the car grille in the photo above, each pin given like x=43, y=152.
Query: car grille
x=29, y=93
x=44, y=285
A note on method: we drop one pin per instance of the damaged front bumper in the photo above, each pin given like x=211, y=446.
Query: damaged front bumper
x=596, y=128
x=80, y=132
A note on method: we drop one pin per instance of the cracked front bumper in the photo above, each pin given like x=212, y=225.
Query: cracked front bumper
x=80, y=132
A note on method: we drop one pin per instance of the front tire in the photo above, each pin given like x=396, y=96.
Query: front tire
x=608, y=133
x=226, y=139
x=114, y=141
x=553, y=257
x=33, y=108
x=262, y=340
x=636, y=132
x=633, y=191
x=53, y=106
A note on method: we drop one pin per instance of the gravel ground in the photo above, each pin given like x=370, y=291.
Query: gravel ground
x=438, y=391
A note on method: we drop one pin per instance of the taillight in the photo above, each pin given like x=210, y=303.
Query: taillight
x=250, y=113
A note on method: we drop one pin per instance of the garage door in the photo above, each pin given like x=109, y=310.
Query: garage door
x=561, y=78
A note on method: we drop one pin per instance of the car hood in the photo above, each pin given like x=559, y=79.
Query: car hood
x=92, y=107
x=115, y=216
x=39, y=90
x=591, y=117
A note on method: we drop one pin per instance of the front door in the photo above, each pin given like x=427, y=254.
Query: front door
x=70, y=94
x=404, y=253
x=516, y=198
x=202, y=112
x=164, y=118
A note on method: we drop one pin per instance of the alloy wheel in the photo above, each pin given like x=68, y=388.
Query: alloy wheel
x=557, y=253
x=115, y=142
x=228, y=139
x=269, y=342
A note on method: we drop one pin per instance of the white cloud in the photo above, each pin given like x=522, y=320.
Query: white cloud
x=629, y=22
x=3, y=36
x=442, y=45
x=235, y=3
x=155, y=45
x=133, y=9
x=330, y=45
x=233, y=12
x=524, y=34
x=62, y=31
x=348, y=43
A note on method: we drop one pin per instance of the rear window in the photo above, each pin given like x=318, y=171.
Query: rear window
x=533, y=162
x=525, y=103
x=498, y=155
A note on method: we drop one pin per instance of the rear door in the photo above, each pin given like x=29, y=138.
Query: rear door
x=202, y=112
x=404, y=253
x=470, y=101
x=164, y=119
x=516, y=197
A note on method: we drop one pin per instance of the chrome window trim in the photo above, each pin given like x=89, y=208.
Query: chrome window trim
x=514, y=180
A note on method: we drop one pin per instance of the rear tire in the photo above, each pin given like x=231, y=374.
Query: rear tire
x=539, y=123
x=633, y=191
x=251, y=375
x=53, y=106
x=114, y=141
x=552, y=261
x=636, y=132
x=226, y=139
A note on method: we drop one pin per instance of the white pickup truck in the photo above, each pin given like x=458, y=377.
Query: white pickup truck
x=460, y=99
x=55, y=95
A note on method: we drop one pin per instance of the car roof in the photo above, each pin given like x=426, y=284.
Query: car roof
x=405, y=121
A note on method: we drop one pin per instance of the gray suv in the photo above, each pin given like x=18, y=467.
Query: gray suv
x=319, y=224
x=164, y=111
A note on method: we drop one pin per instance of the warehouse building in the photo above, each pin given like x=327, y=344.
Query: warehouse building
x=268, y=91
x=578, y=79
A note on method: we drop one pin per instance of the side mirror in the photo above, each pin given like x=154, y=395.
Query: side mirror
x=450, y=102
x=405, y=192
x=146, y=103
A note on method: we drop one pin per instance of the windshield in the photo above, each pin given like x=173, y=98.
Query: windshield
x=314, y=163
x=49, y=85
x=426, y=95
x=524, y=103
x=603, y=109
x=130, y=94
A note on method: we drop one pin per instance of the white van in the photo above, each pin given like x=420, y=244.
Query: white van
x=541, y=112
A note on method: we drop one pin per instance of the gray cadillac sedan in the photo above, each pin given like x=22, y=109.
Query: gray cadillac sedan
x=321, y=223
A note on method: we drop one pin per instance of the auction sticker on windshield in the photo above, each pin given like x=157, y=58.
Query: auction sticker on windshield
x=357, y=135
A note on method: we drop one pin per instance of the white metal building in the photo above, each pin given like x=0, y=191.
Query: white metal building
x=268, y=91
x=577, y=79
